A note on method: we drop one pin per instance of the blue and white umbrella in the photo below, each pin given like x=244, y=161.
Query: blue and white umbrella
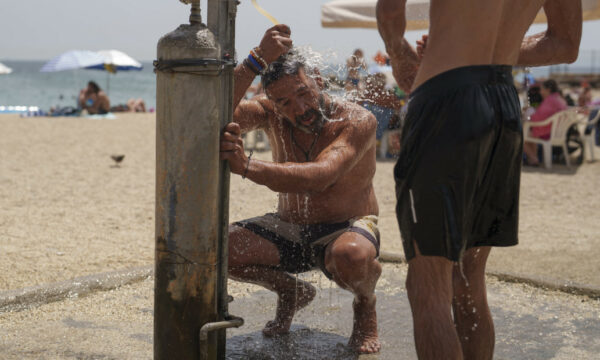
x=115, y=60
x=74, y=59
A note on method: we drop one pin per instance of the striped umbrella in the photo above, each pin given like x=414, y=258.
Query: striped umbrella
x=115, y=60
x=73, y=59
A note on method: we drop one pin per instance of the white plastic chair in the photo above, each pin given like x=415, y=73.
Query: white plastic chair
x=590, y=139
x=561, y=122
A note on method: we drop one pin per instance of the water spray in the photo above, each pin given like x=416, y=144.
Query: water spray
x=264, y=13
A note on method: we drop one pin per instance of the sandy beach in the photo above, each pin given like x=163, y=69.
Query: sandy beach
x=66, y=210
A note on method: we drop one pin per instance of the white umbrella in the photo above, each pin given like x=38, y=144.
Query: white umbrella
x=4, y=69
x=73, y=59
x=115, y=60
x=361, y=13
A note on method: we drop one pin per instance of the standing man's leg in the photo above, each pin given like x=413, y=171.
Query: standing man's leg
x=429, y=289
x=472, y=315
x=351, y=259
x=254, y=259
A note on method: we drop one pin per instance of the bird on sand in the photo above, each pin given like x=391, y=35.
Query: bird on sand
x=117, y=158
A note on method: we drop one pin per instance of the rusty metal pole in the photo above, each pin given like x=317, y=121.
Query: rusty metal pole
x=221, y=21
x=193, y=102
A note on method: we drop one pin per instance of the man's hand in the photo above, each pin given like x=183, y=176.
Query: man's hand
x=421, y=46
x=275, y=43
x=232, y=148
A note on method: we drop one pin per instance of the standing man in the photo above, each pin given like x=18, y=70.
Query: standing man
x=354, y=64
x=457, y=178
x=323, y=167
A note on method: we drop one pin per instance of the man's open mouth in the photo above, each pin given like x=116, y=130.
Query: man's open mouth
x=308, y=121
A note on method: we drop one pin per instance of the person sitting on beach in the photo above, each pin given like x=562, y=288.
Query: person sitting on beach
x=552, y=103
x=383, y=104
x=93, y=100
x=323, y=166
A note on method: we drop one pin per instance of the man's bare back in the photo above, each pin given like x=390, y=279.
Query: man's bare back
x=476, y=32
x=464, y=112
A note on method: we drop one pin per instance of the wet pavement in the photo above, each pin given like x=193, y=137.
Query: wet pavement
x=530, y=324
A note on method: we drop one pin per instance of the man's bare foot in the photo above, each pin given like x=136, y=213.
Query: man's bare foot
x=364, y=338
x=288, y=303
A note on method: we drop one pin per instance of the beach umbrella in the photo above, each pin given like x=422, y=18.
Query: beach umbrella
x=361, y=13
x=73, y=59
x=115, y=60
x=4, y=69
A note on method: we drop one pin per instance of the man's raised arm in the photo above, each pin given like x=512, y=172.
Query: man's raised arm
x=275, y=42
x=391, y=22
x=560, y=42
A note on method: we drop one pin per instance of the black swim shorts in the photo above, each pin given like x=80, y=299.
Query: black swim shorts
x=302, y=247
x=458, y=174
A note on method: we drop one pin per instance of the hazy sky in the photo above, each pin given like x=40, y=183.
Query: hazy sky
x=41, y=29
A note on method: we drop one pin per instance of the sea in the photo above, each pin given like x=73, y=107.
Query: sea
x=26, y=86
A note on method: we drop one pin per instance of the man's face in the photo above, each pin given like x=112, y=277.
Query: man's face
x=297, y=98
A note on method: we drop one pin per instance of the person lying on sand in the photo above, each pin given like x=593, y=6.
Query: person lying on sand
x=133, y=105
x=323, y=167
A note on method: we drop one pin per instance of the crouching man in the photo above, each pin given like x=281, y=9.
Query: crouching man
x=323, y=166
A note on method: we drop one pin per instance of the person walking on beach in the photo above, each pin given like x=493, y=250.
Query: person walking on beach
x=457, y=177
x=323, y=167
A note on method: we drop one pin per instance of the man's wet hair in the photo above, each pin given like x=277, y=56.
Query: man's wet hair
x=289, y=63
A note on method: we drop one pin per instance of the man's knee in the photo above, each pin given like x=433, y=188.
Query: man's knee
x=429, y=281
x=471, y=272
x=350, y=256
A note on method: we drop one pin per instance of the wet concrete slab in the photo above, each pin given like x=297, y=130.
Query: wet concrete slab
x=530, y=324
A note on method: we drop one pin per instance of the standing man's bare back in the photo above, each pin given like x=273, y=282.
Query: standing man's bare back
x=475, y=32
x=457, y=177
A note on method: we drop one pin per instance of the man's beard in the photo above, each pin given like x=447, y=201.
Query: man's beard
x=319, y=116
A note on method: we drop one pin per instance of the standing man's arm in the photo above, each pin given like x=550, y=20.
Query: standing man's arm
x=251, y=114
x=391, y=22
x=560, y=42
